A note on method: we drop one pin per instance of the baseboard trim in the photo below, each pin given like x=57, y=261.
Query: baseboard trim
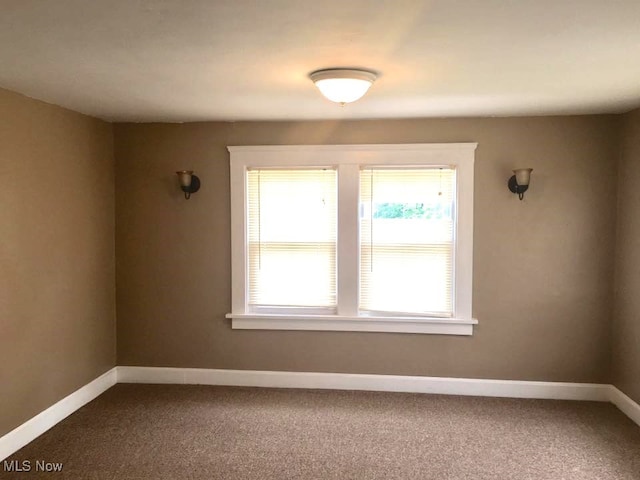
x=36, y=426
x=33, y=428
x=630, y=408
x=384, y=383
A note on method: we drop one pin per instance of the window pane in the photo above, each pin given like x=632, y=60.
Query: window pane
x=292, y=220
x=406, y=240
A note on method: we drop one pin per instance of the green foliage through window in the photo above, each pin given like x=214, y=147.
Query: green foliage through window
x=436, y=211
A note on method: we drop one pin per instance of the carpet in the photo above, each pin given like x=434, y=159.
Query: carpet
x=205, y=432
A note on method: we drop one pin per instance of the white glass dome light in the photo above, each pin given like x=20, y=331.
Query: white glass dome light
x=343, y=85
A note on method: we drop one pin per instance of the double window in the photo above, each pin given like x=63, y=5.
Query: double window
x=353, y=237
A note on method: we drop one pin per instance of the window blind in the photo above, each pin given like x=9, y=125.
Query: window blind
x=407, y=240
x=292, y=233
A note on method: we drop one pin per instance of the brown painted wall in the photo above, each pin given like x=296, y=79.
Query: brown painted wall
x=543, y=267
x=57, y=267
x=626, y=324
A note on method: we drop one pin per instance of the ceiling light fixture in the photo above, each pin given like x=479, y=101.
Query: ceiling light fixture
x=343, y=85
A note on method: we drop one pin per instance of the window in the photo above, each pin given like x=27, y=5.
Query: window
x=406, y=240
x=353, y=237
x=291, y=239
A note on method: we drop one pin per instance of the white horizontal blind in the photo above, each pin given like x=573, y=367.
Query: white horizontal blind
x=292, y=232
x=407, y=240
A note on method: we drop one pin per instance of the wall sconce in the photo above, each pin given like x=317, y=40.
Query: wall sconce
x=519, y=182
x=189, y=183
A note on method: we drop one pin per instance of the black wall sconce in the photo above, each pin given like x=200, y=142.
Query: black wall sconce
x=519, y=182
x=189, y=183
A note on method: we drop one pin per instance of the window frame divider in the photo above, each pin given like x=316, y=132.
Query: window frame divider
x=348, y=239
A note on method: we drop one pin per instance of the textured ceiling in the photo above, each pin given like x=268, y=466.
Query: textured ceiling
x=189, y=60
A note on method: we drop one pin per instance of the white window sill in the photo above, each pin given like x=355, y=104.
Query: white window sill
x=340, y=323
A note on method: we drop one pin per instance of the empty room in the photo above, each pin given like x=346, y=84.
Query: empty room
x=286, y=239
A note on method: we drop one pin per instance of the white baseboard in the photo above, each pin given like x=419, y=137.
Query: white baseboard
x=36, y=426
x=383, y=383
x=30, y=430
x=630, y=408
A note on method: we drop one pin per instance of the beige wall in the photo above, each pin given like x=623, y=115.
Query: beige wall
x=543, y=267
x=626, y=324
x=57, y=302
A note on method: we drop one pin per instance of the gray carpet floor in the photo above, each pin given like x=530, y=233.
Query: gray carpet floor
x=203, y=432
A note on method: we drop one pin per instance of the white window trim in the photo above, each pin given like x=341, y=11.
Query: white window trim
x=348, y=159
